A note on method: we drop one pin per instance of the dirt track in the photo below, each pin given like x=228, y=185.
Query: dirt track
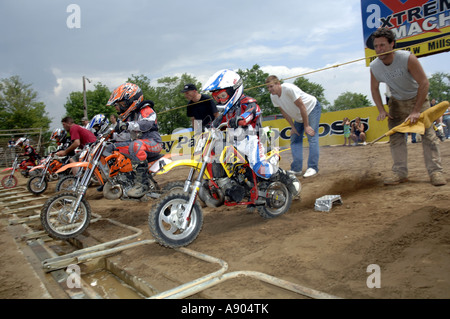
x=403, y=229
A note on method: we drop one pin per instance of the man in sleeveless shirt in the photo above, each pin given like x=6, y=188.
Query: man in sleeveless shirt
x=408, y=84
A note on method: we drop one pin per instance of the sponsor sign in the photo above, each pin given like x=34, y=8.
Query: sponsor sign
x=420, y=26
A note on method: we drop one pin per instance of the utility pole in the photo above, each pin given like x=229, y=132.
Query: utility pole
x=84, y=95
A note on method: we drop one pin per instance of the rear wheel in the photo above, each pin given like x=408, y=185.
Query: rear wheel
x=278, y=201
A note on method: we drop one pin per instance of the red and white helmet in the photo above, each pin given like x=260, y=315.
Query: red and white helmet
x=58, y=135
x=226, y=87
x=130, y=94
x=23, y=141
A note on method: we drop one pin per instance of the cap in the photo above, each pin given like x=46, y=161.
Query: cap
x=188, y=87
x=84, y=119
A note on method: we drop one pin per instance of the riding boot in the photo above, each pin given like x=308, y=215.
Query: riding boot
x=141, y=184
x=289, y=179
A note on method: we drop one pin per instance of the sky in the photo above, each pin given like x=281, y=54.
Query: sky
x=53, y=44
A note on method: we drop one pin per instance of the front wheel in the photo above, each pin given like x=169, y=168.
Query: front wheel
x=67, y=183
x=35, y=186
x=57, y=212
x=165, y=220
x=9, y=181
x=278, y=201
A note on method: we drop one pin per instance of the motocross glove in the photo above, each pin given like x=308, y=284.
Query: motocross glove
x=235, y=122
x=217, y=121
x=120, y=127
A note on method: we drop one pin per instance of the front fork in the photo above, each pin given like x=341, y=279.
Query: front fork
x=195, y=189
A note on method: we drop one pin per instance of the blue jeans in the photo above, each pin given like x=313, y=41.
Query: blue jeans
x=446, y=120
x=297, y=142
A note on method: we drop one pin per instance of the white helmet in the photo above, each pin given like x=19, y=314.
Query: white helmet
x=22, y=141
x=98, y=122
x=226, y=87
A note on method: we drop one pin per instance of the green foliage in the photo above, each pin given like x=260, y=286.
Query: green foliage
x=254, y=86
x=440, y=86
x=19, y=107
x=312, y=88
x=96, y=103
x=170, y=103
x=349, y=100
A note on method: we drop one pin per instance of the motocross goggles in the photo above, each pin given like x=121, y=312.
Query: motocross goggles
x=221, y=96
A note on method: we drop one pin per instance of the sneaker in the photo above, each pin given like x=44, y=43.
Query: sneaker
x=394, y=179
x=438, y=179
x=310, y=172
x=364, y=143
x=296, y=173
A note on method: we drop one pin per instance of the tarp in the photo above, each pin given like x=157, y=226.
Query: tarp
x=425, y=120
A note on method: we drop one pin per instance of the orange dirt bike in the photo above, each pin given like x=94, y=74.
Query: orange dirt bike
x=10, y=181
x=68, y=213
x=176, y=219
x=46, y=172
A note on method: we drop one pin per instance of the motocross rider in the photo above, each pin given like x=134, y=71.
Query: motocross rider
x=59, y=135
x=98, y=124
x=242, y=113
x=139, y=119
x=28, y=150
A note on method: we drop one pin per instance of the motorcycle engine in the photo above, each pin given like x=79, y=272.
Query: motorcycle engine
x=231, y=189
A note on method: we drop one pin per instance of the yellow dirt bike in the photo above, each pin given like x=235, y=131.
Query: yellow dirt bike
x=226, y=178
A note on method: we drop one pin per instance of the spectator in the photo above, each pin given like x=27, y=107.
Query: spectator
x=201, y=107
x=302, y=111
x=79, y=137
x=358, y=132
x=409, y=89
x=84, y=122
x=113, y=119
x=446, y=121
x=346, y=126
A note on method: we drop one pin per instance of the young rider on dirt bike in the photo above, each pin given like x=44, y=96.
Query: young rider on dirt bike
x=242, y=113
x=33, y=156
x=139, y=119
x=98, y=124
x=59, y=135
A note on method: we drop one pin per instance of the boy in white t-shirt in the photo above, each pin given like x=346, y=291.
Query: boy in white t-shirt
x=302, y=111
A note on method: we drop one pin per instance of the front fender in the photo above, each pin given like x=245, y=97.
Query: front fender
x=37, y=167
x=7, y=169
x=77, y=164
x=180, y=163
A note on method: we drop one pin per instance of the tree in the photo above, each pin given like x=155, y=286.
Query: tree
x=254, y=85
x=349, y=100
x=312, y=88
x=19, y=107
x=96, y=103
x=170, y=103
x=440, y=86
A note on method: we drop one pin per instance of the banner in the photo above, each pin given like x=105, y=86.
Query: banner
x=331, y=131
x=420, y=26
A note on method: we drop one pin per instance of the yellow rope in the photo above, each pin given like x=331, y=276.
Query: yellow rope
x=311, y=72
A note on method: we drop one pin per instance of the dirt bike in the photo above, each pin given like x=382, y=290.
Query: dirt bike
x=67, y=214
x=176, y=219
x=10, y=181
x=46, y=173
